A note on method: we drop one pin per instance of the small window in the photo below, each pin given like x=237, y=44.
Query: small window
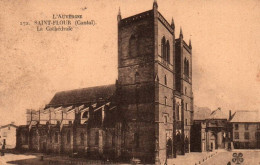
x=236, y=135
x=165, y=100
x=246, y=135
x=96, y=138
x=137, y=77
x=165, y=80
x=236, y=126
x=246, y=126
x=165, y=119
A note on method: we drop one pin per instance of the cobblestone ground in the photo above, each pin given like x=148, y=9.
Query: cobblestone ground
x=219, y=157
x=249, y=157
x=35, y=159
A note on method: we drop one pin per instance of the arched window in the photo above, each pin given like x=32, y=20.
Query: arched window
x=82, y=138
x=68, y=137
x=165, y=80
x=96, y=138
x=136, y=140
x=163, y=45
x=133, y=46
x=177, y=112
x=168, y=52
x=188, y=68
x=185, y=66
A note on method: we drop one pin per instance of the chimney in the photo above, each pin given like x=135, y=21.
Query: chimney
x=230, y=114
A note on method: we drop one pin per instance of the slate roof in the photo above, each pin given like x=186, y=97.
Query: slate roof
x=217, y=114
x=201, y=113
x=84, y=95
x=246, y=117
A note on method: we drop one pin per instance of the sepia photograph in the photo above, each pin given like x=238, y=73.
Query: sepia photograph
x=164, y=82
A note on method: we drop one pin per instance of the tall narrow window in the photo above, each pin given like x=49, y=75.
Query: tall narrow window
x=68, y=137
x=236, y=135
x=188, y=70
x=168, y=51
x=136, y=140
x=165, y=119
x=132, y=46
x=246, y=126
x=163, y=50
x=236, y=126
x=165, y=80
x=82, y=138
x=246, y=134
x=113, y=140
x=96, y=138
x=56, y=137
x=177, y=112
x=165, y=100
x=185, y=66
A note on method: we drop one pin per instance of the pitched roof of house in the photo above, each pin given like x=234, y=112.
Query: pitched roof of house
x=217, y=114
x=246, y=117
x=201, y=113
x=3, y=126
x=84, y=95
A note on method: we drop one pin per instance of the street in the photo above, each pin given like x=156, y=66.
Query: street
x=249, y=157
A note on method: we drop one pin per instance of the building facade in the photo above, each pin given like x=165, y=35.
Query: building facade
x=8, y=136
x=211, y=133
x=147, y=114
x=246, y=129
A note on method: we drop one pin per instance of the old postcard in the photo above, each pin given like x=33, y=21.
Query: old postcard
x=130, y=82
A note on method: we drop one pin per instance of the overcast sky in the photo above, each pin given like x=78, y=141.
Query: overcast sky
x=34, y=65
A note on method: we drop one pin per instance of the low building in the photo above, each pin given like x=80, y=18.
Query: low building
x=210, y=132
x=246, y=129
x=8, y=136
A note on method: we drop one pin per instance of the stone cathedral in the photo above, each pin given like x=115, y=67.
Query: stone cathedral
x=147, y=114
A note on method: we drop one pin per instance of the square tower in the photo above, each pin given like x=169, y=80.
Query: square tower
x=146, y=86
